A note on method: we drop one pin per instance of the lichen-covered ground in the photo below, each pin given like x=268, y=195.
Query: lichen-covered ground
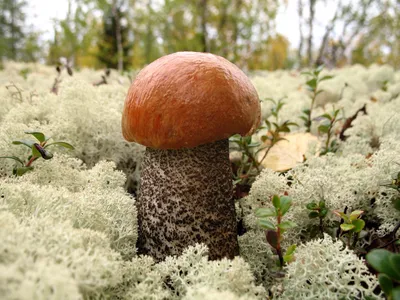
x=68, y=228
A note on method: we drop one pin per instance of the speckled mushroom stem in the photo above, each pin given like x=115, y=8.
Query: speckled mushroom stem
x=186, y=198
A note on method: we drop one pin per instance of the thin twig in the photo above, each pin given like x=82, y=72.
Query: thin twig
x=349, y=121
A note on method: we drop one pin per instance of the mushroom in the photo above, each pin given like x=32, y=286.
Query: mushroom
x=183, y=107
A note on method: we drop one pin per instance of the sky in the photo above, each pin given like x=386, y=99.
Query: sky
x=42, y=13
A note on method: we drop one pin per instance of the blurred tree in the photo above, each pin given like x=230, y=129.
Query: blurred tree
x=113, y=43
x=74, y=35
x=310, y=31
x=379, y=42
x=12, y=22
x=32, y=50
x=361, y=31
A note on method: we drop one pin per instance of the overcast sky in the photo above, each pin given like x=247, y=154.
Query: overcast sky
x=42, y=12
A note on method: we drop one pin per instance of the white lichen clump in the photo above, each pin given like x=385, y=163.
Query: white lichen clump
x=326, y=269
x=68, y=229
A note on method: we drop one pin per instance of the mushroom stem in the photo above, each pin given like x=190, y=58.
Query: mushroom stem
x=186, y=198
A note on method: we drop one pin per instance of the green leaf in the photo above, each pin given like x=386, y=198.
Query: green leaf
x=336, y=112
x=265, y=224
x=380, y=260
x=23, y=142
x=305, y=119
x=272, y=238
x=312, y=84
x=306, y=111
x=342, y=215
x=284, y=128
x=326, y=77
x=347, y=227
x=19, y=171
x=290, y=250
x=64, y=144
x=395, y=262
x=397, y=203
x=291, y=124
x=276, y=201
x=313, y=214
x=355, y=214
x=323, y=212
x=288, y=258
x=386, y=283
x=358, y=225
x=14, y=158
x=312, y=206
x=235, y=182
x=326, y=116
x=287, y=225
x=306, y=73
x=321, y=204
x=265, y=212
x=35, y=151
x=253, y=145
x=38, y=135
x=285, y=204
x=39, y=151
x=323, y=128
x=396, y=293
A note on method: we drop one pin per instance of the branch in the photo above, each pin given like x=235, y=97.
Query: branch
x=328, y=31
x=348, y=123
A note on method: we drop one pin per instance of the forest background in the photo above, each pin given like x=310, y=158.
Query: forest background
x=129, y=34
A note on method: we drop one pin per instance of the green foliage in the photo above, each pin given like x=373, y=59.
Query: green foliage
x=108, y=43
x=326, y=128
x=387, y=264
x=38, y=149
x=12, y=28
x=274, y=233
x=352, y=224
x=312, y=85
x=318, y=210
x=249, y=165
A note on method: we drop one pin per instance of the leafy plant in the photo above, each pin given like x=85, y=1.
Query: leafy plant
x=250, y=166
x=328, y=121
x=25, y=72
x=312, y=86
x=37, y=148
x=352, y=224
x=274, y=233
x=274, y=135
x=387, y=264
x=318, y=210
x=277, y=107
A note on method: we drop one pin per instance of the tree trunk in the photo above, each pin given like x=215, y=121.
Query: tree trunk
x=238, y=5
x=203, y=23
x=328, y=31
x=311, y=28
x=300, y=49
x=149, y=34
x=118, y=36
x=185, y=198
x=221, y=30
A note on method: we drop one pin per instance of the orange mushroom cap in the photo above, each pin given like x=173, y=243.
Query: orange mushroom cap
x=187, y=99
